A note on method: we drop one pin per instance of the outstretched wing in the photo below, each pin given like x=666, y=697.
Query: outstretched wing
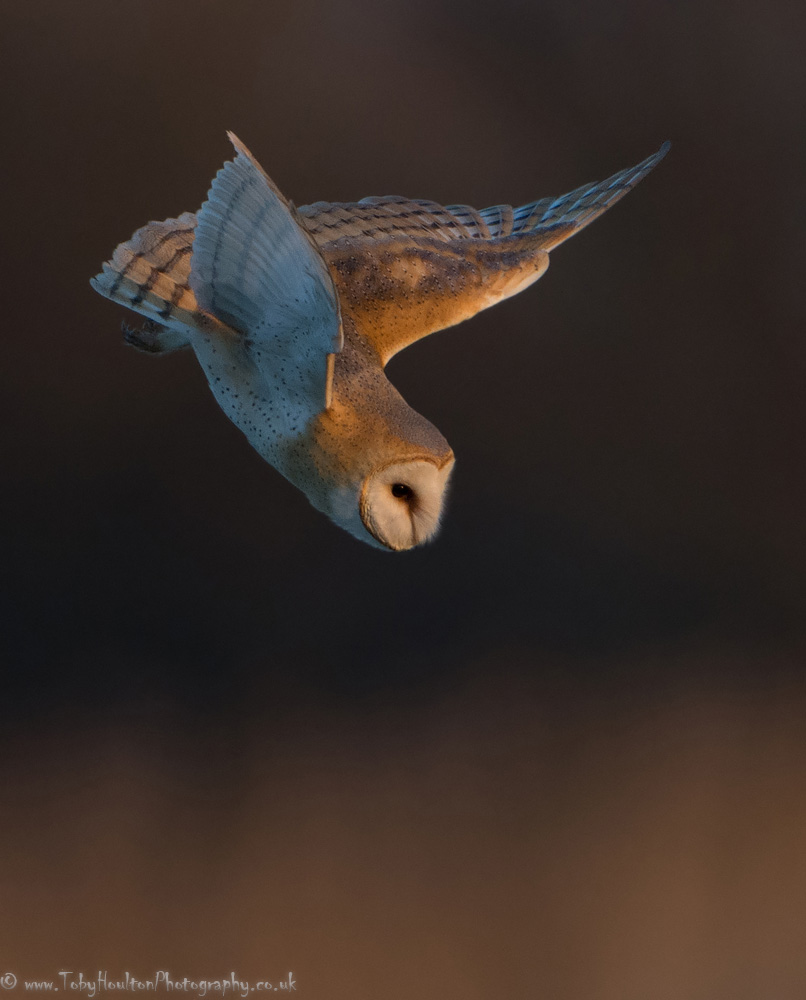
x=406, y=268
x=255, y=267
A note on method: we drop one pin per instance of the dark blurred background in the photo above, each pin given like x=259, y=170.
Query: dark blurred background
x=560, y=752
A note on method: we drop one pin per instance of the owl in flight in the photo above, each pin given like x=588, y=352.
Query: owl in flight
x=294, y=312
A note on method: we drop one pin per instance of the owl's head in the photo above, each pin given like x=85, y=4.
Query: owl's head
x=400, y=505
x=397, y=506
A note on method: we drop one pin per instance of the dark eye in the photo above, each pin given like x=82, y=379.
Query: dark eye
x=402, y=492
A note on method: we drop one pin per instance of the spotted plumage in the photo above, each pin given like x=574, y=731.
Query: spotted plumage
x=294, y=312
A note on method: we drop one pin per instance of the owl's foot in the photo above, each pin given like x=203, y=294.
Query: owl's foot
x=152, y=338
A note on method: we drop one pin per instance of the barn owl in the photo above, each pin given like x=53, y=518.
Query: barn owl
x=293, y=314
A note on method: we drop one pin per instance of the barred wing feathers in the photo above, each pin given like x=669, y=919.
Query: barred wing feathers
x=407, y=268
x=149, y=274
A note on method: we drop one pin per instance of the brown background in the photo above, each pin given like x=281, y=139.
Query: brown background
x=562, y=751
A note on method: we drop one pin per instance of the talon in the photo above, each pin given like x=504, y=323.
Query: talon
x=150, y=326
x=144, y=339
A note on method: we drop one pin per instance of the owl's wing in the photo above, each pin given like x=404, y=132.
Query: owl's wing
x=149, y=273
x=244, y=266
x=406, y=268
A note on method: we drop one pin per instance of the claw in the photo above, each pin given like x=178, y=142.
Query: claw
x=146, y=338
